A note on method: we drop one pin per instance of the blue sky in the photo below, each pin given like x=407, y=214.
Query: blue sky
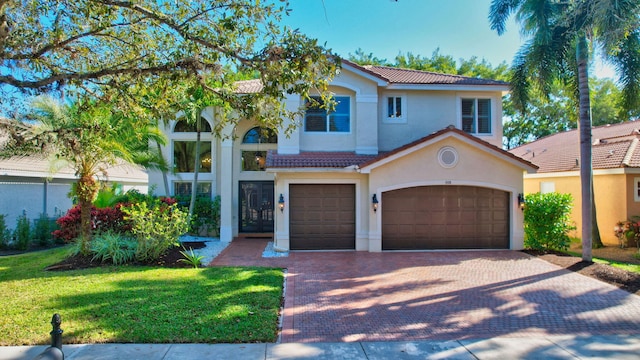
x=460, y=28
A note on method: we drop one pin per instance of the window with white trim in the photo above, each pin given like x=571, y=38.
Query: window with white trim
x=184, y=156
x=395, y=109
x=318, y=119
x=183, y=188
x=636, y=189
x=476, y=116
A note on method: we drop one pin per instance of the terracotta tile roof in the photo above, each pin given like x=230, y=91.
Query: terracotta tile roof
x=407, y=76
x=248, y=86
x=614, y=146
x=315, y=159
x=345, y=159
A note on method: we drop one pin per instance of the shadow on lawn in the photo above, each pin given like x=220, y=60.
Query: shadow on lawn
x=207, y=305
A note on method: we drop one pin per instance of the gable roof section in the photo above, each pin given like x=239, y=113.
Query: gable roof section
x=613, y=146
x=389, y=77
x=449, y=131
x=351, y=160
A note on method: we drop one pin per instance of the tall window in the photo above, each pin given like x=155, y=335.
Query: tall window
x=476, y=116
x=318, y=119
x=254, y=160
x=184, y=156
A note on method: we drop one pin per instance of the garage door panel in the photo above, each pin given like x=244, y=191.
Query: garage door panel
x=445, y=217
x=322, y=216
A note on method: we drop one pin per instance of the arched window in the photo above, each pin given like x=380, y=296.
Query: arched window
x=259, y=135
x=184, y=126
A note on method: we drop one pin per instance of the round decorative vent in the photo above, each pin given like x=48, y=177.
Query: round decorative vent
x=448, y=157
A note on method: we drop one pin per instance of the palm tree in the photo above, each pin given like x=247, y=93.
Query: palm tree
x=89, y=138
x=560, y=35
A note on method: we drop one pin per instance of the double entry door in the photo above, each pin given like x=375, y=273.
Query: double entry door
x=256, y=206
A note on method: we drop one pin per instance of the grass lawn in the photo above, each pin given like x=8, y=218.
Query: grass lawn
x=136, y=304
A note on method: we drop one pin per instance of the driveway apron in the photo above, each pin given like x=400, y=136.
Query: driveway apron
x=401, y=296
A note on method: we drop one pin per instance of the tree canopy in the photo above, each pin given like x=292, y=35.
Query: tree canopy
x=124, y=52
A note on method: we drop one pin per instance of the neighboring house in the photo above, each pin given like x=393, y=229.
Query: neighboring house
x=408, y=160
x=616, y=172
x=27, y=187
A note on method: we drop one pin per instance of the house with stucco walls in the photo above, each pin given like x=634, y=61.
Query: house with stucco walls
x=407, y=160
x=616, y=172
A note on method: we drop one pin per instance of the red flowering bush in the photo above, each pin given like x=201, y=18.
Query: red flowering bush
x=102, y=220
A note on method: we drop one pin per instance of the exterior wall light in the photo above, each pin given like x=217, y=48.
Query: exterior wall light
x=281, y=203
x=374, y=202
x=521, y=201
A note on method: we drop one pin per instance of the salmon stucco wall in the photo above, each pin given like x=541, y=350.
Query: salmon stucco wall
x=610, y=190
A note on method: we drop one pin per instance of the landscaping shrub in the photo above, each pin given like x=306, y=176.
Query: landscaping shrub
x=628, y=231
x=43, y=227
x=102, y=220
x=5, y=233
x=22, y=233
x=206, y=215
x=113, y=247
x=546, y=221
x=156, y=226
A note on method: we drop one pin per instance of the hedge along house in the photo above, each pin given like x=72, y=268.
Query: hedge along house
x=616, y=172
x=407, y=160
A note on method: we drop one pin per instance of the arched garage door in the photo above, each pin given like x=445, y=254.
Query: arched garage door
x=322, y=217
x=445, y=217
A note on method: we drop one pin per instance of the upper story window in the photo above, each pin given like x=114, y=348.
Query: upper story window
x=476, y=116
x=318, y=119
x=184, y=156
x=184, y=126
x=395, y=109
x=254, y=160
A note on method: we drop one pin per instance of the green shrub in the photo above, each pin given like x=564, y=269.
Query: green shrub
x=206, y=215
x=156, y=227
x=113, y=247
x=5, y=233
x=22, y=233
x=546, y=221
x=42, y=229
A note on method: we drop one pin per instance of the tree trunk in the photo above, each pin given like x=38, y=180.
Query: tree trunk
x=586, y=173
x=87, y=188
x=196, y=170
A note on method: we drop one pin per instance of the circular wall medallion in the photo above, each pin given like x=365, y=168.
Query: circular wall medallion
x=447, y=157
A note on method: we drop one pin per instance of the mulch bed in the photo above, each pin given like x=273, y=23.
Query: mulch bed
x=169, y=259
x=622, y=279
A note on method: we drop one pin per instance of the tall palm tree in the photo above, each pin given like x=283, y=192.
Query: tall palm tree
x=560, y=35
x=87, y=136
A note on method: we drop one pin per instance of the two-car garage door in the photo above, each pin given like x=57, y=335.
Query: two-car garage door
x=445, y=217
x=322, y=217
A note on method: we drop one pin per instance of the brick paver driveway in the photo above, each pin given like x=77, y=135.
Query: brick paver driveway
x=357, y=296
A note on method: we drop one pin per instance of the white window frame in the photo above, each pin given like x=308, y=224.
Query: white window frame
x=403, y=108
x=636, y=189
x=475, y=115
x=328, y=119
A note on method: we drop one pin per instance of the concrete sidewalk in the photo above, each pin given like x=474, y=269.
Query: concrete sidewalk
x=554, y=347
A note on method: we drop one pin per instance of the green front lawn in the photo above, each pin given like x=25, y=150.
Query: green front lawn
x=136, y=304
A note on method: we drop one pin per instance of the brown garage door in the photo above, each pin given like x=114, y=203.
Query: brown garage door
x=322, y=216
x=445, y=217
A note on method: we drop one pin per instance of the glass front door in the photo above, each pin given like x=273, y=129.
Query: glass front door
x=256, y=206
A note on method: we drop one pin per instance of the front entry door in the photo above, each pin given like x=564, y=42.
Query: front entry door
x=256, y=206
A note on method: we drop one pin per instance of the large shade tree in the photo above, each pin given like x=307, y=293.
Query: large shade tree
x=560, y=35
x=106, y=48
x=87, y=136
